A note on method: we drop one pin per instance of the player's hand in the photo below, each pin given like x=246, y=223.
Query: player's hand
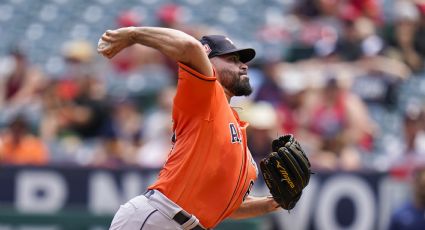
x=286, y=171
x=113, y=41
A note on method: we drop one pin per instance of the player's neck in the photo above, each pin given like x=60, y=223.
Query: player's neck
x=228, y=95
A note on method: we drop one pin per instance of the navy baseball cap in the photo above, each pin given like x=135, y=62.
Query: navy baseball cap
x=217, y=45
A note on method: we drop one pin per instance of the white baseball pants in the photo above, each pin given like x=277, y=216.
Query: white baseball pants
x=152, y=211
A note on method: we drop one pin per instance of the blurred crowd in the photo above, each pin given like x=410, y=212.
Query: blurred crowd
x=332, y=84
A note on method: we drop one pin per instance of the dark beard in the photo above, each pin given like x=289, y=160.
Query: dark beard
x=234, y=84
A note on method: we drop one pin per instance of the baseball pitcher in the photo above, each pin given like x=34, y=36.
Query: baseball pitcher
x=209, y=171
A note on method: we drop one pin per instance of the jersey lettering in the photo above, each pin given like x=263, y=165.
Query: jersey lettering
x=235, y=137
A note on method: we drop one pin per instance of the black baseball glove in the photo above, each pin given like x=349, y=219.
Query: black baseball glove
x=286, y=171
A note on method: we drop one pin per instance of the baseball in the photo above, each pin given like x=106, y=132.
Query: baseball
x=101, y=44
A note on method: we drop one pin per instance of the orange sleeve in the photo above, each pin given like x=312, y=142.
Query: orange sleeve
x=194, y=92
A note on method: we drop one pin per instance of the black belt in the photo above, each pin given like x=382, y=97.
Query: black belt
x=181, y=217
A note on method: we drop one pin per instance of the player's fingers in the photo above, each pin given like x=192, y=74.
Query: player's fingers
x=103, y=54
x=110, y=53
x=110, y=32
x=103, y=49
x=107, y=38
x=109, y=50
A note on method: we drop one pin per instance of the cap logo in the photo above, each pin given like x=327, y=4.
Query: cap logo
x=207, y=49
x=228, y=39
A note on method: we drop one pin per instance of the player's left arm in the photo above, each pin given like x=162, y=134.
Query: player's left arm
x=255, y=206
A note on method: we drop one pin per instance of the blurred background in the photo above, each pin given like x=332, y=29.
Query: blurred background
x=80, y=134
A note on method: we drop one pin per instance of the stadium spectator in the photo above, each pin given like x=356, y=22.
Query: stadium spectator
x=262, y=128
x=340, y=119
x=170, y=15
x=406, y=34
x=414, y=120
x=19, y=147
x=22, y=81
x=357, y=8
x=295, y=106
x=355, y=33
x=411, y=148
x=379, y=79
x=139, y=71
x=157, y=131
x=83, y=110
x=20, y=85
x=120, y=137
x=410, y=216
x=174, y=15
x=75, y=109
x=130, y=58
x=269, y=89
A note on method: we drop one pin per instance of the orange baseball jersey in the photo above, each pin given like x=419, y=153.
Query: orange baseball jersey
x=209, y=170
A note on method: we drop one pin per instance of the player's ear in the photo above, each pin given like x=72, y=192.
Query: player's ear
x=213, y=60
